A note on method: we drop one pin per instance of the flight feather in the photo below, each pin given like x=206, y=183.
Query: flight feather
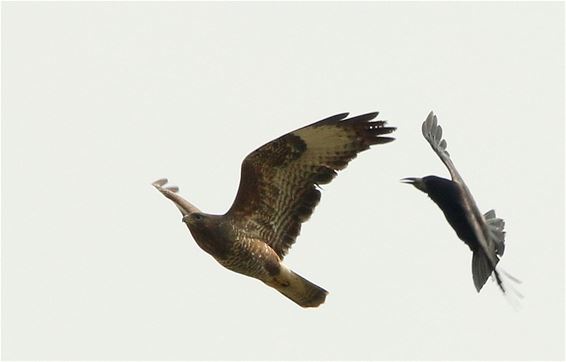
x=278, y=187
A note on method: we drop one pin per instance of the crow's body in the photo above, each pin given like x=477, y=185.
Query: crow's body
x=448, y=196
x=483, y=234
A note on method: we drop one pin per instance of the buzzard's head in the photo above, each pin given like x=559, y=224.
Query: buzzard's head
x=203, y=226
x=207, y=231
x=196, y=220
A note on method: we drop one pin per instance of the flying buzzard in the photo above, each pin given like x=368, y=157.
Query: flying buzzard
x=278, y=192
x=483, y=234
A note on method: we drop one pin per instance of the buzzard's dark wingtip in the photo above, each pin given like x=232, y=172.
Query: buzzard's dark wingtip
x=375, y=131
x=370, y=115
x=330, y=120
x=384, y=140
x=380, y=126
x=362, y=117
x=342, y=118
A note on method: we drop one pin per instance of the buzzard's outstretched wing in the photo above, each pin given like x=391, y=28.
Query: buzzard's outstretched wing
x=278, y=190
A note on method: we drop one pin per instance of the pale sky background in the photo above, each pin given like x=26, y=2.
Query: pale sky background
x=101, y=99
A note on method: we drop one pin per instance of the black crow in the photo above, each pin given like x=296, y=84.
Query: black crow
x=483, y=234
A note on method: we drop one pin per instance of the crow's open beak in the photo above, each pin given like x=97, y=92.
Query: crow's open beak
x=408, y=180
x=415, y=181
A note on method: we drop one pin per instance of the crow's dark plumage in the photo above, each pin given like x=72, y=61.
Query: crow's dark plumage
x=483, y=234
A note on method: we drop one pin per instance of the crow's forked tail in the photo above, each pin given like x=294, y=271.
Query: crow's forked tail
x=483, y=269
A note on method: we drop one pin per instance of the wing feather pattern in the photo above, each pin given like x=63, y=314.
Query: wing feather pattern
x=491, y=240
x=432, y=132
x=278, y=186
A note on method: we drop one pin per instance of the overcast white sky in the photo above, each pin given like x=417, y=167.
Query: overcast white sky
x=101, y=99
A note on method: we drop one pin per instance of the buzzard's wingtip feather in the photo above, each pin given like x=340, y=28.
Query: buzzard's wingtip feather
x=383, y=140
x=362, y=118
x=371, y=115
x=330, y=120
x=388, y=129
x=376, y=131
x=157, y=184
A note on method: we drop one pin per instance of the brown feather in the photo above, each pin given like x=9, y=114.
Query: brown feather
x=278, y=191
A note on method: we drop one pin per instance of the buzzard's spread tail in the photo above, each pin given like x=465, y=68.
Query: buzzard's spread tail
x=299, y=290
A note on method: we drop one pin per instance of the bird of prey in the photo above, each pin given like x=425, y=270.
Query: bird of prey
x=279, y=189
x=483, y=234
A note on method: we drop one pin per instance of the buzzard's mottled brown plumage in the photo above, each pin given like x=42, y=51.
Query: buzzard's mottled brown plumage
x=278, y=192
x=278, y=184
